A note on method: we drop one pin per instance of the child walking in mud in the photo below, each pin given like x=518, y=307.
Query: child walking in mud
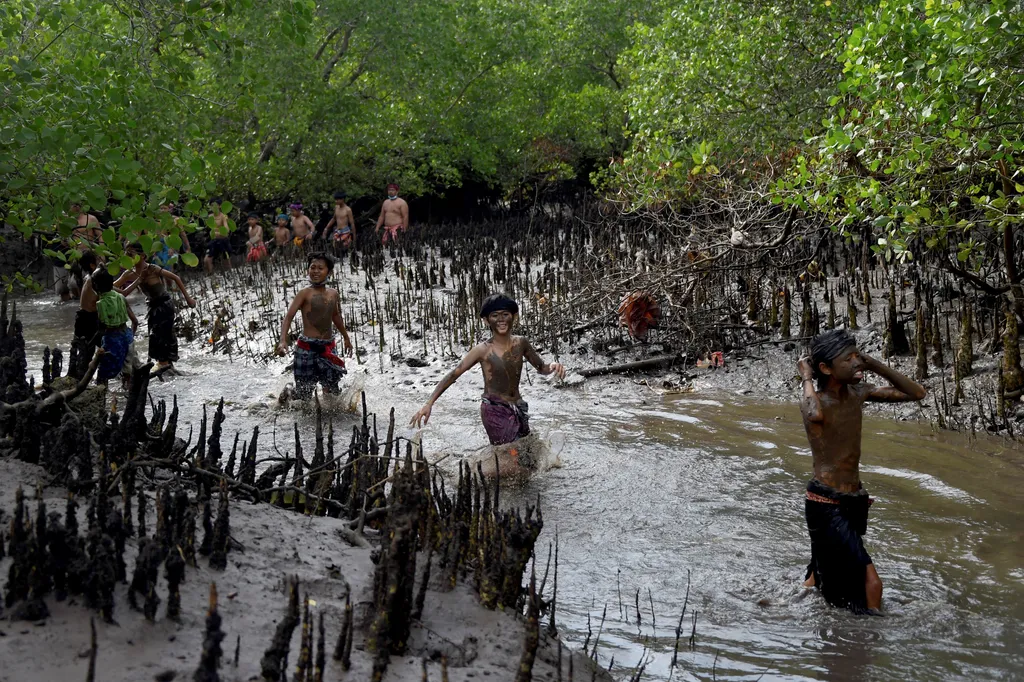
x=836, y=507
x=153, y=280
x=316, y=357
x=114, y=313
x=504, y=413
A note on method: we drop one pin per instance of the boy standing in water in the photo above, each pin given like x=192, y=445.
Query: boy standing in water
x=504, y=413
x=86, y=322
x=153, y=280
x=836, y=507
x=341, y=231
x=114, y=313
x=316, y=357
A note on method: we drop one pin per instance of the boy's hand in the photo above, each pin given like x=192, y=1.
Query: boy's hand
x=558, y=370
x=805, y=369
x=191, y=302
x=281, y=349
x=348, y=347
x=422, y=417
x=869, y=362
x=135, y=328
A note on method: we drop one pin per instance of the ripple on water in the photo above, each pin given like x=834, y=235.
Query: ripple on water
x=926, y=481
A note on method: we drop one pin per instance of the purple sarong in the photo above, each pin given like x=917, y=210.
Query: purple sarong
x=504, y=421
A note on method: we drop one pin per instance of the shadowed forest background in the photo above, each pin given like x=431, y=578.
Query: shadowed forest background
x=904, y=120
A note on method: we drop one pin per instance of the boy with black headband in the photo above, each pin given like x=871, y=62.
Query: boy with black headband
x=502, y=411
x=836, y=507
x=316, y=358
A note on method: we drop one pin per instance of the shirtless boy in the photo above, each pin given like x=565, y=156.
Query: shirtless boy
x=87, y=330
x=503, y=412
x=316, y=357
x=836, y=507
x=220, y=239
x=88, y=225
x=282, y=234
x=68, y=278
x=341, y=231
x=302, y=226
x=257, y=249
x=394, y=216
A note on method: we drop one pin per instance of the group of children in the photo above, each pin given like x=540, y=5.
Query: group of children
x=836, y=505
x=104, y=312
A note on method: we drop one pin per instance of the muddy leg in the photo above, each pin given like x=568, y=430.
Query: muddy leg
x=873, y=588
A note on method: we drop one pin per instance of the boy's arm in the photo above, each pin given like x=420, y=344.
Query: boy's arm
x=380, y=219
x=286, y=324
x=339, y=322
x=405, y=215
x=533, y=357
x=119, y=285
x=167, y=274
x=466, y=364
x=903, y=389
x=810, y=404
x=131, y=316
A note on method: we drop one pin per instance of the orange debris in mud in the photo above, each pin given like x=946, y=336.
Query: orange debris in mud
x=639, y=312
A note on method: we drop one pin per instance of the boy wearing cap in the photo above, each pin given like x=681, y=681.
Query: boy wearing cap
x=282, y=234
x=836, y=507
x=341, y=231
x=503, y=411
x=394, y=216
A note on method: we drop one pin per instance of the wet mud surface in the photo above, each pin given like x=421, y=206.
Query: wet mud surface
x=661, y=493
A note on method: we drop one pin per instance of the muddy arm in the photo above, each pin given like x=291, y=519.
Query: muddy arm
x=903, y=389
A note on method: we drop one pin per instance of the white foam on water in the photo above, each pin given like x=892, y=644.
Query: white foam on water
x=507, y=458
x=926, y=481
x=672, y=416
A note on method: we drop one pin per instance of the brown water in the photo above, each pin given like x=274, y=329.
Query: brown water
x=658, y=489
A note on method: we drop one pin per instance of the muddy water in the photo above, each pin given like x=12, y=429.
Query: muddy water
x=658, y=492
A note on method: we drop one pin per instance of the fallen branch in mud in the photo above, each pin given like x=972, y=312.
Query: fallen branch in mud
x=637, y=366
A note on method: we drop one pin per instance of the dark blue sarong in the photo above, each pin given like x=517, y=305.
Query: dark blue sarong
x=116, y=343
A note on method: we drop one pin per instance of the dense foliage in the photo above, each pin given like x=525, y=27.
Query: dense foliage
x=903, y=116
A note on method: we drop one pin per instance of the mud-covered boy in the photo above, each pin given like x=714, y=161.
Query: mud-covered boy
x=504, y=413
x=836, y=507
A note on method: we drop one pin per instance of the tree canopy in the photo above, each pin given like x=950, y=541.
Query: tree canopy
x=906, y=116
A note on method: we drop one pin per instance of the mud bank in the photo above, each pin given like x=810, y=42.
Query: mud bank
x=273, y=544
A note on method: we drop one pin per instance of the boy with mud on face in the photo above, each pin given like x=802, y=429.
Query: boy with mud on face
x=836, y=507
x=316, y=358
x=503, y=411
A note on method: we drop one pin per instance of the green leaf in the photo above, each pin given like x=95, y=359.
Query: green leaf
x=226, y=207
x=189, y=259
x=174, y=241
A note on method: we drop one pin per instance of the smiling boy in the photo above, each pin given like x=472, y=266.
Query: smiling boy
x=836, y=507
x=316, y=358
x=504, y=413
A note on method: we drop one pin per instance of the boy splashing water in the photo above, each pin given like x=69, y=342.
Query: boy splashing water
x=503, y=412
x=837, y=504
x=316, y=358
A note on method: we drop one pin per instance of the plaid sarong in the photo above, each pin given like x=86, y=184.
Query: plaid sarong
x=317, y=361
